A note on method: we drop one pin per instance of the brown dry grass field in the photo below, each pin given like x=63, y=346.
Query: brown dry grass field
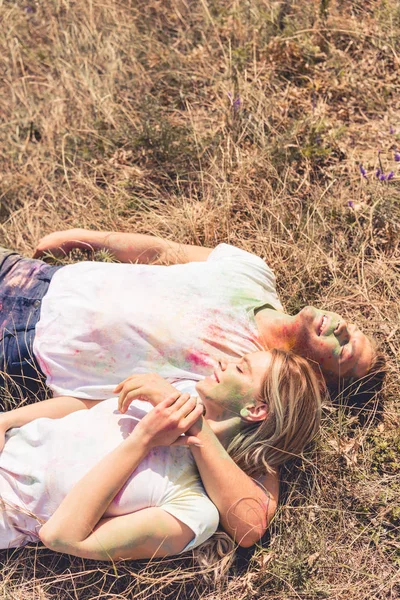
x=240, y=121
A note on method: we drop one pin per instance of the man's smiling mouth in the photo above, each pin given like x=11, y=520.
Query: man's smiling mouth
x=323, y=323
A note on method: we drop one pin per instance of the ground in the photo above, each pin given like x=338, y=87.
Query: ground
x=257, y=123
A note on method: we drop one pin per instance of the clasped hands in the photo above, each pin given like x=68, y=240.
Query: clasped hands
x=173, y=414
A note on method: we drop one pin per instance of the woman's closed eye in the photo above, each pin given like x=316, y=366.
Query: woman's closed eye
x=239, y=369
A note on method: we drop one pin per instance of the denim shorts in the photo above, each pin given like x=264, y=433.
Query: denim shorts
x=23, y=284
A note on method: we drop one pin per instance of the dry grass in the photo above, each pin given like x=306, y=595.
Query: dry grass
x=124, y=115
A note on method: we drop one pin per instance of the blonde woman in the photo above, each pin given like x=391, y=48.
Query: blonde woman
x=106, y=484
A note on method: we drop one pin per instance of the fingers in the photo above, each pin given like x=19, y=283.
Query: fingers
x=186, y=408
x=119, y=387
x=125, y=398
x=180, y=402
x=140, y=386
x=128, y=390
x=190, y=412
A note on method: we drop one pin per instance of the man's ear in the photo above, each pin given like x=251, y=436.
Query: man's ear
x=254, y=413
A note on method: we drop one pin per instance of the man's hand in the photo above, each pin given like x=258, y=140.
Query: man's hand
x=150, y=387
x=60, y=243
x=165, y=423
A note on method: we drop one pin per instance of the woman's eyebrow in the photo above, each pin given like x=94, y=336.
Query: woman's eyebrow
x=247, y=362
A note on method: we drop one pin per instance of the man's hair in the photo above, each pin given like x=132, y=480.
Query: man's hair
x=358, y=392
x=292, y=393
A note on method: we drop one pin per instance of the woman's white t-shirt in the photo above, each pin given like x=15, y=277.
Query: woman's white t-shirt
x=43, y=460
x=102, y=322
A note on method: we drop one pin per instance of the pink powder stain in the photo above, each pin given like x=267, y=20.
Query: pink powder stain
x=44, y=366
x=200, y=359
x=21, y=275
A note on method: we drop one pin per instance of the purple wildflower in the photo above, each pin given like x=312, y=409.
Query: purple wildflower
x=363, y=172
x=382, y=177
x=397, y=156
x=378, y=173
x=392, y=130
x=390, y=175
x=29, y=9
x=236, y=104
x=350, y=204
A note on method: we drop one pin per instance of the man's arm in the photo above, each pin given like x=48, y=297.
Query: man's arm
x=125, y=247
x=54, y=408
x=245, y=509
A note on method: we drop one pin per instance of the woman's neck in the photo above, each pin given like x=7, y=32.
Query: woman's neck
x=225, y=430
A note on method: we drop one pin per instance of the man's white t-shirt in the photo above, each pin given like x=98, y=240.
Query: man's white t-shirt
x=43, y=460
x=102, y=322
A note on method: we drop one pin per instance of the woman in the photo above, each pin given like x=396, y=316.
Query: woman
x=106, y=485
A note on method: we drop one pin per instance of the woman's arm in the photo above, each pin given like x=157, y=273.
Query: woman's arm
x=245, y=508
x=147, y=533
x=126, y=247
x=78, y=527
x=54, y=408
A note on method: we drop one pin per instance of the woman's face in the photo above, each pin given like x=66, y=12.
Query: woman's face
x=339, y=348
x=235, y=383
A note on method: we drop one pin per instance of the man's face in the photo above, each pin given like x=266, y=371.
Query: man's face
x=234, y=384
x=339, y=348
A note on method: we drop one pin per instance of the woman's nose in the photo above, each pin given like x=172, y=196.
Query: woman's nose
x=223, y=363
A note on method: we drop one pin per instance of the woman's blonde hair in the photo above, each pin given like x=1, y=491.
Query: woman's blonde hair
x=292, y=392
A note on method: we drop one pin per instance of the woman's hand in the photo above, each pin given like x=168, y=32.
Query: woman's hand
x=163, y=425
x=150, y=387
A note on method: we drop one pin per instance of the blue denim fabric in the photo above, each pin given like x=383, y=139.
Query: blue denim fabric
x=23, y=283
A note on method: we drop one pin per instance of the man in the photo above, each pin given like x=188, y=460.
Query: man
x=225, y=308
x=85, y=327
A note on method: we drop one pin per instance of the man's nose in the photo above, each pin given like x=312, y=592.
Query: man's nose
x=342, y=331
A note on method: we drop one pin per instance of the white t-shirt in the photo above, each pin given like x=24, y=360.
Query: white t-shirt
x=43, y=460
x=102, y=322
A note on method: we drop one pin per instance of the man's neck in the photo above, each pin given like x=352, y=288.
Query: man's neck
x=277, y=329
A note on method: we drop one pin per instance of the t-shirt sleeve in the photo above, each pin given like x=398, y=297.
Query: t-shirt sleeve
x=194, y=509
x=247, y=267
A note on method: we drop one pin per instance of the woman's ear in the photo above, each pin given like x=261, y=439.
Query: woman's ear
x=254, y=413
